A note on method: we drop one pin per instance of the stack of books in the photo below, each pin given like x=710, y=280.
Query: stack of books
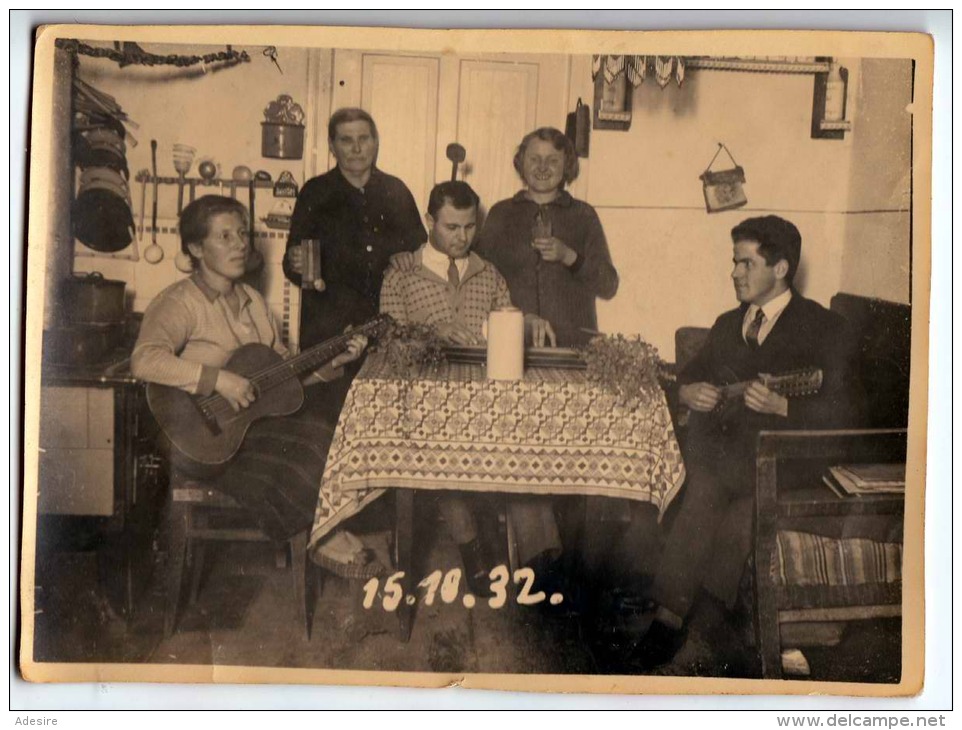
x=857, y=480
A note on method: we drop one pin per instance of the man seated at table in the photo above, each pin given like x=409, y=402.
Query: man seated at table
x=773, y=330
x=453, y=289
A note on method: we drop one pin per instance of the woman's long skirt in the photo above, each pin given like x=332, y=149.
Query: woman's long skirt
x=276, y=474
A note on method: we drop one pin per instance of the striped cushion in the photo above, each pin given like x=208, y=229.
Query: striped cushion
x=804, y=559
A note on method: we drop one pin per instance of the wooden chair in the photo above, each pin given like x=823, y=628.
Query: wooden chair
x=191, y=527
x=807, y=507
x=811, y=511
x=808, y=516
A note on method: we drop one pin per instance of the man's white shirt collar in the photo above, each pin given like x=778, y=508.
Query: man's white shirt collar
x=437, y=262
x=772, y=310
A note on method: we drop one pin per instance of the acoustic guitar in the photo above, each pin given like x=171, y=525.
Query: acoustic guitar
x=208, y=431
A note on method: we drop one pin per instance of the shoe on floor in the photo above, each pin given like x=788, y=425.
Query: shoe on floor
x=476, y=569
x=658, y=646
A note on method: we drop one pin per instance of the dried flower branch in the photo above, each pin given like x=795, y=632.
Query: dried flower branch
x=412, y=349
x=627, y=367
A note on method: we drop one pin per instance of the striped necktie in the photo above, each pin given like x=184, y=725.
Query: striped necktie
x=751, y=335
x=454, y=279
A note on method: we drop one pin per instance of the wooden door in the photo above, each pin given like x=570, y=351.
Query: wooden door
x=423, y=102
x=488, y=103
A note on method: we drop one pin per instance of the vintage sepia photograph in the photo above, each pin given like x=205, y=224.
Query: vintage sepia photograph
x=544, y=360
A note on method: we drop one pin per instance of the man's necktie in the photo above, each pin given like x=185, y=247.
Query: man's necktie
x=454, y=278
x=751, y=335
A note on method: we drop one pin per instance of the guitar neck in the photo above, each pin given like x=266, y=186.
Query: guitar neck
x=316, y=356
x=310, y=359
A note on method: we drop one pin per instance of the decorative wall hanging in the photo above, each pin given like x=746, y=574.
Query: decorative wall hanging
x=723, y=189
x=616, y=76
x=635, y=68
x=128, y=54
x=282, y=134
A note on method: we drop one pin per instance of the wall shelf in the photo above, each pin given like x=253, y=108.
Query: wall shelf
x=818, y=67
x=201, y=182
x=192, y=183
x=758, y=65
x=842, y=126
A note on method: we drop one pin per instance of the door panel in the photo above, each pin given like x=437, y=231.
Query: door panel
x=100, y=418
x=401, y=93
x=423, y=102
x=63, y=417
x=497, y=107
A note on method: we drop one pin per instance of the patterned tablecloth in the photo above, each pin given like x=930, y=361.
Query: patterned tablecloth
x=551, y=433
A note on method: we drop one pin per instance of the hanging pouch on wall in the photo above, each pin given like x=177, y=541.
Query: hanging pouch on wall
x=723, y=189
x=285, y=193
x=578, y=128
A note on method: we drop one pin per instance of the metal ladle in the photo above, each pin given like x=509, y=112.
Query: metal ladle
x=154, y=253
x=456, y=153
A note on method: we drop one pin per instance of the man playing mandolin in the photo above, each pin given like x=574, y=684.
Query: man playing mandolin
x=192, y=334
x=773, y=331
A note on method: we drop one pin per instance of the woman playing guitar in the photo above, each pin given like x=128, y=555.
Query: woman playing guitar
x=189, y=333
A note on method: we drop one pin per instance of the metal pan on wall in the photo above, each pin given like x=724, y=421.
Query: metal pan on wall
x=101, y=213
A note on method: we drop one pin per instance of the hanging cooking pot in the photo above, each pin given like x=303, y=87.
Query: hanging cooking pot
x=92, y=299
x=101, y=213
x=101, y=147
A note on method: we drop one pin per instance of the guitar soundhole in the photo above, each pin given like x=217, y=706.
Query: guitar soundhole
x=209, y=419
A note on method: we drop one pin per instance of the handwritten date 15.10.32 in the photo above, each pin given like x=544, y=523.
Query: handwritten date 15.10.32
x=448, y=585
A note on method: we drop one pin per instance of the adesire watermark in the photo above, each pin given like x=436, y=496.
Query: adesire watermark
x=27, y=720
x=853, y=720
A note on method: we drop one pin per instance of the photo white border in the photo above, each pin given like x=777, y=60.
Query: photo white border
x=938, y=516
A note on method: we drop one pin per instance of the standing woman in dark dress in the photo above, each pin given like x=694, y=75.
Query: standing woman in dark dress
x=188, y=335
x=551, y=249
x=549, y=246
x=362, y=216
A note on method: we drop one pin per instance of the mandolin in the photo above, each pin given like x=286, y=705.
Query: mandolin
x=791, y=384
x=206, y=430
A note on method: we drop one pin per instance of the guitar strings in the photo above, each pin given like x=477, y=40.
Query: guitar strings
x=218, y=404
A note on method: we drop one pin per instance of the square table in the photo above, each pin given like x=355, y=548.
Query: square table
x=553, y=432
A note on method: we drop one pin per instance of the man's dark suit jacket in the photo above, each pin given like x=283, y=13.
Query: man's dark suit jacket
x=806, y=335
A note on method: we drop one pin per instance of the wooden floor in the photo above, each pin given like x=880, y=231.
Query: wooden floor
x=245, y=616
